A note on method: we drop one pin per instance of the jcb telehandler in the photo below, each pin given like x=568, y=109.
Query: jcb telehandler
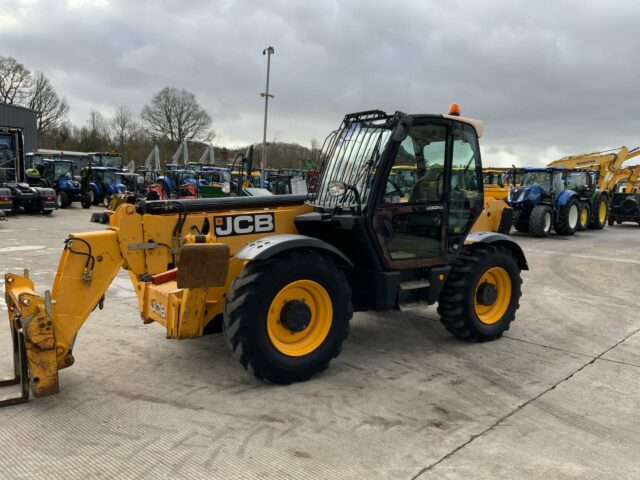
x=284, y=274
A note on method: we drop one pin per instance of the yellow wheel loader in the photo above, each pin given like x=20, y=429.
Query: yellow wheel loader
x=284, y=274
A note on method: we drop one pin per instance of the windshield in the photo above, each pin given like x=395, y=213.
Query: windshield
x=108, y=176
x=352, y=156
x=62, y=169
x=493, y=178
x=542, y=179
x=7, y=157
x=113, y=161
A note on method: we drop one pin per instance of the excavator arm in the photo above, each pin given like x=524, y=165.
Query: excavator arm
x=608, y=163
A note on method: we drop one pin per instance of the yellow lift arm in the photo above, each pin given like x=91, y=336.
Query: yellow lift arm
x=147, y=246
x=607, y=163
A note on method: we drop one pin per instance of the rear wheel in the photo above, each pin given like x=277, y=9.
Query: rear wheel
x=482, y=293
x=583, y=221
x=540, y=221
x=286, y=318
x=599, y=214
x=568, y=217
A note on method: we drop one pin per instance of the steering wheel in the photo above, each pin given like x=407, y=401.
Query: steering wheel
x=394, y=191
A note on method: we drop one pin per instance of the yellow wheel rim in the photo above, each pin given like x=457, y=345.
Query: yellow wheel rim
x=299, y=340
x=583, y=217
x=500, y=283
x=602, y=211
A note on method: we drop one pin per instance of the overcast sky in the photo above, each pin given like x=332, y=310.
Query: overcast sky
x=547, y=78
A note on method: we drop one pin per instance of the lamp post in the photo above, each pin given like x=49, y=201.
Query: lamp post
x=268, y=52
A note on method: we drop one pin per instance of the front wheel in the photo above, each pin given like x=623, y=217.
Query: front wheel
x=540, y=221
x=285, y=318
x=482, y=294
x=63, y=200
x=86, y=200
x=583, y=220
x=600, y=213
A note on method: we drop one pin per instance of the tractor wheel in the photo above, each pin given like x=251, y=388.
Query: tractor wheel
x=600, y=213
x=540, y=221
x=95, y=198
x=583, y=220
x=47, y=212
x=63, y=200
x=568, y=217
x=611, y=221
x=521, y=223
x=285, y=318
x=481, y=296
x=86, y=201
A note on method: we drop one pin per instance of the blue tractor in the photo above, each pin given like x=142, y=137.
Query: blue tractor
x=98, y=184
x=56, y=173
x=542, y=201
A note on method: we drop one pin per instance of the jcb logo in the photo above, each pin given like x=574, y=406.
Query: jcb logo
x=244, y=224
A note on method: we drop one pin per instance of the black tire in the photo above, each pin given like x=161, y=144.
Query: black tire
x=611, y=221
x=456, y=305
x=597, y=221
x=47, y=212
x=540, y=221
x=63, y=200
x=85, y=201
x=521, y=223
x=95, y=198
x=568, y=217
x=583, y=220
x=629, y=206
x=249, y=301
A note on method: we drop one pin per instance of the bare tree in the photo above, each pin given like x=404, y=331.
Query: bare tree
x=15, y=80
x=95, y=136
x=125, y=130
x=50, y=107
x=175, y=115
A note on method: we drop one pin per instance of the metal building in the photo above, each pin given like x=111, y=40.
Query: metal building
x=13, y=116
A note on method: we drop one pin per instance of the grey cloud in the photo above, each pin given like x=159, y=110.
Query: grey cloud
x=548, y=78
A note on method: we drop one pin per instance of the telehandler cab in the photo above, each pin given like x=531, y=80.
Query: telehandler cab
x=283, y=274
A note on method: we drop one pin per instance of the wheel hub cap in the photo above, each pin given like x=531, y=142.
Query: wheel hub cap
x=487, y=294
x=295, y=316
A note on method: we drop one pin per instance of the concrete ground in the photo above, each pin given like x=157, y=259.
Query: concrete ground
x=557, y=397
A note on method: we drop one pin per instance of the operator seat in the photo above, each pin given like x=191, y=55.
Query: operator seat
x=426, y=188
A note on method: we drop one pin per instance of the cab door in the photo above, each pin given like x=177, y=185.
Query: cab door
x=418, y=220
